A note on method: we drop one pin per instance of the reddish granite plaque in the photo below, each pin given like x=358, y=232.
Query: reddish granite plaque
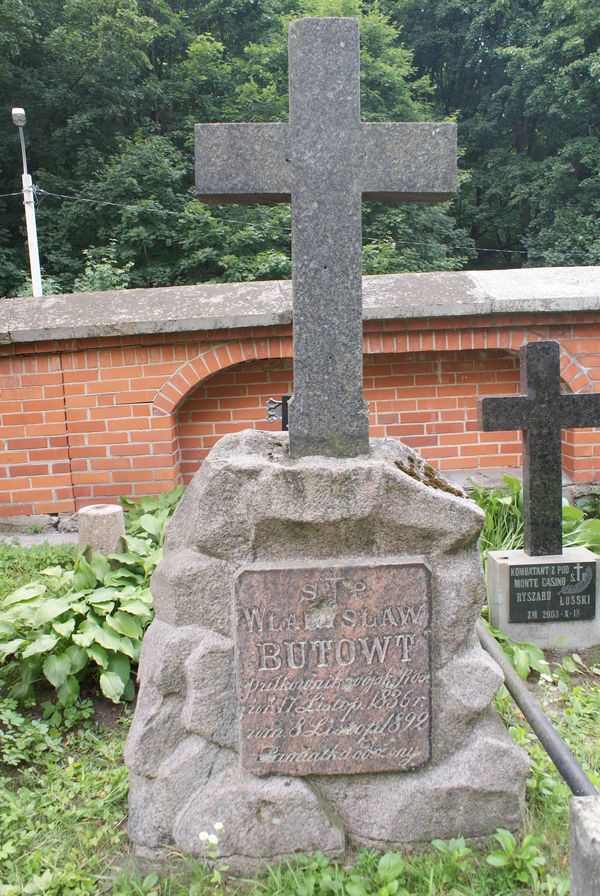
x=333, y=668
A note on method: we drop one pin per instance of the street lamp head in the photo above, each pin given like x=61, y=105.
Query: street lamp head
x=18, y=116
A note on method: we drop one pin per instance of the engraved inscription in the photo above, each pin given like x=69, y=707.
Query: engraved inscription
x=552, y=592
x=333, y=668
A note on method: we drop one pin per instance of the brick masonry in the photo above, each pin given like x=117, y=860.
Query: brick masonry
x=86, y=420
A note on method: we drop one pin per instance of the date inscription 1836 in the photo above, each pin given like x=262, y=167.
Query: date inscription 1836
x=333, y=668
x=552, y=592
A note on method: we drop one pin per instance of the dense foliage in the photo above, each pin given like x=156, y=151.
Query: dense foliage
x=85, y=621
x=113, y=88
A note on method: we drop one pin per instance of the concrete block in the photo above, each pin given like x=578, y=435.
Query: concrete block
x=101, y=528
x=585, y=846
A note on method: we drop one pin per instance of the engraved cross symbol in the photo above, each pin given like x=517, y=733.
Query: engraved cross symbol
x=541, y=413
x=326, y=160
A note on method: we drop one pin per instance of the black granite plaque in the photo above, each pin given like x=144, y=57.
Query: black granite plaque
x=334, y=668
x=552, y=592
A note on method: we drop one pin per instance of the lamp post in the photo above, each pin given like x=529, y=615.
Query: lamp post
x=19, y=118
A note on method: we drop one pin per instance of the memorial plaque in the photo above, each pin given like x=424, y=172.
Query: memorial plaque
x=552, y=592
x=333, y=668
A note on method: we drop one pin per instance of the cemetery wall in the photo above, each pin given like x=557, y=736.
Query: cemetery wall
x=98, y=399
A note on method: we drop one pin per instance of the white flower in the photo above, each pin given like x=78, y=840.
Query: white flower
x=218, y=826
x=213, y=839
x=203, y=835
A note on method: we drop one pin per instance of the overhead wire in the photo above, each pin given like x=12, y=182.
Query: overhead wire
x=39, y=192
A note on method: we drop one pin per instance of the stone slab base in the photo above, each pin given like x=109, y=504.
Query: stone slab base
x=566, y=633
x=250, y=504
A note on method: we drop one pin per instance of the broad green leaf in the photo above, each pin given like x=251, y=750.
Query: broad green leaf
x=27, y=592
x=107, y=637
x=103, y=607
x=136, y=546
x=68, y=692
x=122, y=577
x=129, y=692
x=111, y=686
x=103, y=595
x=98, y=654
x=10, y=647
x=57, y=668
x=570, y=513
x=78, y=658
x=125, y=624
x=145, y=594
x=64, y=628
x=80, y=606
x=391, y=866
x=84, y=578
x=497, y=859
x=51, y=609
x=506, y=839
x=100, y=566
x=129, y=649
x=85, y=634
x=356, y=888
x=130, y=559
x=150, y=524
x=54, y=572
x=7, y=629
x=136, y=608
x=521, y=662
x=121, y=666
x=41, y=645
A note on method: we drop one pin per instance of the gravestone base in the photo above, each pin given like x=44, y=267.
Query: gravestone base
x=551, y=601
x=274, y=722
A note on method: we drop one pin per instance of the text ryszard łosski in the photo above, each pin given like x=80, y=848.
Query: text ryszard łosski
x=333, y=668
x=552, y=592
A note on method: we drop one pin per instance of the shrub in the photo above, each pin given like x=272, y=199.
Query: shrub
x=87, y=622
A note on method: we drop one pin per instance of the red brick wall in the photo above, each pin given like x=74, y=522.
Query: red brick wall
x=85, y=421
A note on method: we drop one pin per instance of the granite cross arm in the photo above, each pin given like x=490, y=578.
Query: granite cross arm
x=541, y=413
x=326, y=160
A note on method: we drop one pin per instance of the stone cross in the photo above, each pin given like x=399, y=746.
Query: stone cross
x=326, y=159
x=541, y=413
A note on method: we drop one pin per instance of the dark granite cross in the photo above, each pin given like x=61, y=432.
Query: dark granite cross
x=541, y=413
x=326, y=159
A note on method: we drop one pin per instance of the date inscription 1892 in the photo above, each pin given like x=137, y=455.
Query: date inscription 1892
x=333, y=668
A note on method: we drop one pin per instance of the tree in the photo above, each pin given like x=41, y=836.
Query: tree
x=522, y=77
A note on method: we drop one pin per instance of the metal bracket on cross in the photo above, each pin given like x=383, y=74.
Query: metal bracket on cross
x=278, y=410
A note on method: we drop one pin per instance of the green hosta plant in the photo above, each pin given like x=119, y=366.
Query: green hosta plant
x=503, y=524
x=523, y=656
x=88, y=621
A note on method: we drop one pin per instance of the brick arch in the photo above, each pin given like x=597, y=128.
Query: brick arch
x=205, y=368
x=228, y=354
x=191, y=374
x=428, y=399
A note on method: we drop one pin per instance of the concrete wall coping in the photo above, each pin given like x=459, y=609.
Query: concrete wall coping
x=217, y=306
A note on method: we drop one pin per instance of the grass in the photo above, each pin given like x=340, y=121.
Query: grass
x=63, y=802
x=64, y=805
x=20, y=565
